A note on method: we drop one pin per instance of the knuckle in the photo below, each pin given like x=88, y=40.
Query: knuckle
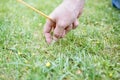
x=62, y=24
x=77, y=24
x=57, y=36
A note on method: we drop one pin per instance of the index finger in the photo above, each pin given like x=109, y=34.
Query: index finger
x=47, y=29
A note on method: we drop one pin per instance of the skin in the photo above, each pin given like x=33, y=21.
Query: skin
x=65, y=18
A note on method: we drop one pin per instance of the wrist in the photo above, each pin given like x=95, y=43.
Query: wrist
x=74, y=1
x=75, y=5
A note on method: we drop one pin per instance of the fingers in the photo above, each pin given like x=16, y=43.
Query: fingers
x=58, y=32
x=47, y=29
x=72, y=26
x=75, y=24
x=69, y=28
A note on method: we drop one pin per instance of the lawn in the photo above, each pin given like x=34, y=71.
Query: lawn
x=90, y=52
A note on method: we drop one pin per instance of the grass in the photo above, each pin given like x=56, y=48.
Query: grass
x=91, y=52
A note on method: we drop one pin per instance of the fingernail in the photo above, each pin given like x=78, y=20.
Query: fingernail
x=49, y=41
x=55, y=39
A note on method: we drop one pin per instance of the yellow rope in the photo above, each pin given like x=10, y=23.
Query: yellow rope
x=21, y=1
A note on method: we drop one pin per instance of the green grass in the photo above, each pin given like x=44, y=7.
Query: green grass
x=90, y=52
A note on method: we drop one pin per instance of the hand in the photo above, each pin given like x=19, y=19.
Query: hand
x=65, y=19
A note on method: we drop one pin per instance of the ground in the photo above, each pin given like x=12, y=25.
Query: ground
x=90, y=52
